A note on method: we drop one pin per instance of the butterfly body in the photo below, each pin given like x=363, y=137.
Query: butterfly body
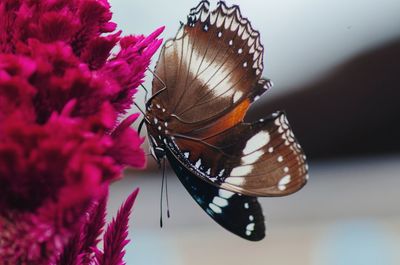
x=205, y=80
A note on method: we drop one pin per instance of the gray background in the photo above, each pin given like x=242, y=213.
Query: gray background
x=347, y=214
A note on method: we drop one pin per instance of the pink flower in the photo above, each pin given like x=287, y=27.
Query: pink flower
x=127, y=154
x=38, y=237
x=16, y=93
x=129, y=65
x=62, y=97
x=71, y=56
x=73, y=153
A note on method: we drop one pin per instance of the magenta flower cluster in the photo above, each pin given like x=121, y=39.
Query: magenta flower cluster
x=63, y=139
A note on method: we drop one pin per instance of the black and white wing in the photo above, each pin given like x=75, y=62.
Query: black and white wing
x=240, y=214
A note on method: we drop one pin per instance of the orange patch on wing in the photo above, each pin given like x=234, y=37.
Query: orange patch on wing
x=225, y=122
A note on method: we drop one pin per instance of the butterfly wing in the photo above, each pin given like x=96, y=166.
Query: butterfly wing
x=240, y=214
x=211, y=73
x=258, y=159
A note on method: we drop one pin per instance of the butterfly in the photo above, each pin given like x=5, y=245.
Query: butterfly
x=205, y=80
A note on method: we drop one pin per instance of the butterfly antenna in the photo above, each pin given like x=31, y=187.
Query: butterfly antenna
x=140, y=109
x=146, y=92
x=148, y=102
x=161, y=197
x=156, y=76
x=144, y=118
x=166, y=191
x=141, y=125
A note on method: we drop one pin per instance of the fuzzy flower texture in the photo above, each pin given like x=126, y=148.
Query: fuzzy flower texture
x=63, y=94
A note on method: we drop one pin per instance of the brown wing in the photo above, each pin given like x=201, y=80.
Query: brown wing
x=211, y=70
x=258, y=159
x=210, y=75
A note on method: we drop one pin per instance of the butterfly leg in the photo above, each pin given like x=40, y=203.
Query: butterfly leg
x=156, y=76
x=148, y=103
x=146, y=92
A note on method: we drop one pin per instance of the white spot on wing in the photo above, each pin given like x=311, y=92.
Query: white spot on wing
x=198, y=163
x=215, y=208
x=250, y=227
x=246, y=205
x=225, y=193
x=221, y=202
x=241, y=171
x=203, y=16
x=235, y=181
x=234, y=25
x=283, y=182
x=237, y=96
x=227, y=22
x=245, y=35
x=256, y=142
x=220, y=20
x=270, y=150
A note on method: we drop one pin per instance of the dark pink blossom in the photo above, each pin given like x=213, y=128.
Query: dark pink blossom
x=129, y=65
x=82, y=249
x=38, y=237
x=63, y=138
x=66, y=41
x=127, y=154
x=115, y=237
x=67, y=160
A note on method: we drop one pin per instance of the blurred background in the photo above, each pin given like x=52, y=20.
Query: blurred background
x=336, y=70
